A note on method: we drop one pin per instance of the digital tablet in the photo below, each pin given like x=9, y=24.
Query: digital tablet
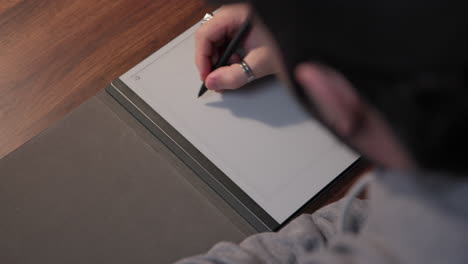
x=254, y=146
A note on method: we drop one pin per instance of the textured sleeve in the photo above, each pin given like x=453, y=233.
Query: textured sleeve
x=305, y=236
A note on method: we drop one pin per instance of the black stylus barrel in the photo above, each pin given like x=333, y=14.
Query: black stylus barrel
x=230, y=49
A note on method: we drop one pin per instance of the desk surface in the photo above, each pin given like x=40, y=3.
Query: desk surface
x=56, y=54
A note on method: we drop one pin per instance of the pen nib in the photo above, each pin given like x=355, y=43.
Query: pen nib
x=202, y=90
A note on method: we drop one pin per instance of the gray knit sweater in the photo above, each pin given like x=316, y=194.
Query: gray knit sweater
x=409, y=218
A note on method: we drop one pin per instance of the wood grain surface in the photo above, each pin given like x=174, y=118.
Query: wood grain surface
x=55, y=54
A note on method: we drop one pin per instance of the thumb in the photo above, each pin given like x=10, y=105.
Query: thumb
x=233, y=76
x=226, y=78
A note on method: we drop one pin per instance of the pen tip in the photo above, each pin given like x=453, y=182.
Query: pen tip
x=201, y=92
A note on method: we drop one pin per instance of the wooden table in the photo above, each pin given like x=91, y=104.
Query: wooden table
x=56, y=54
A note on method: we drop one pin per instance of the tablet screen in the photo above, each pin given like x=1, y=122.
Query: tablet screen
x=258, y=136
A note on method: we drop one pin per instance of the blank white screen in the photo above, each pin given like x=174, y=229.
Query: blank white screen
x=258, y=136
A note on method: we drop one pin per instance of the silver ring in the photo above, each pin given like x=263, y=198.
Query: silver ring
x=206, y=18
x=247, y=70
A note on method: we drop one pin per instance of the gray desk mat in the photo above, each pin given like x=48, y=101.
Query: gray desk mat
x=98, y=188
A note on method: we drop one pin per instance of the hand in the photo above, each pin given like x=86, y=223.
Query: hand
x=211, y=38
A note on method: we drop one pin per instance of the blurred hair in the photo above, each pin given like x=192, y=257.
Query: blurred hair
x=407, y=58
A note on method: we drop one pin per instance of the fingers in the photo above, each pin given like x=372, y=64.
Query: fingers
x=235, y=58
x=261, y=62
x=226, y=78
x=233, y=76
x=214, y=33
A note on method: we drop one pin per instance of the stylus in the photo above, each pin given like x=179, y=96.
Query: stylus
x=231, y=48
